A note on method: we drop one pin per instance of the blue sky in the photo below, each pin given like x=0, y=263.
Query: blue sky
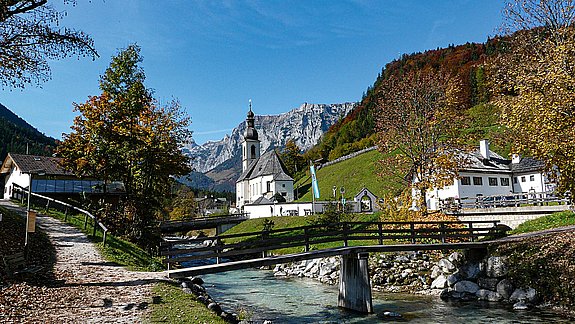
x=215, y=55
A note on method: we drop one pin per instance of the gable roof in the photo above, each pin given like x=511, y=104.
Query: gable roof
x=496, y=163
x=527, y=164
x=267, y=164
x=34, y=163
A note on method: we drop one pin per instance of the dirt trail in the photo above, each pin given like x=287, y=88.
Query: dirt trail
x=88, y=289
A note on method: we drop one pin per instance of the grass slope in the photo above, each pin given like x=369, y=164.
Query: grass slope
x=560, y=219
x=283, y=222
x=353, y=174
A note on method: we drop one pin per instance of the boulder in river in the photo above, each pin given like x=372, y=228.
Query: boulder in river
x=488, y=295
x=524, y=294
x=488, y=283
x=466, y=287
x=439, y=282
x=505, y=288
x=496, y=267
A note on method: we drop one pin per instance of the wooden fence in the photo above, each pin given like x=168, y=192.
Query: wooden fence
x=368, y=233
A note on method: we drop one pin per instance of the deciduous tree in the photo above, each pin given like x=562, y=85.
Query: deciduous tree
x=125, y=135
x=30, y=35
x=417, y=123
x=535, y=81
x=292, y=158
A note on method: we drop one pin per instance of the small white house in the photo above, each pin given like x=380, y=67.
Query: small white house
x=489, y=174
x=48, y=177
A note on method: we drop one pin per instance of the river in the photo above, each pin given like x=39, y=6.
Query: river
x=300, y=300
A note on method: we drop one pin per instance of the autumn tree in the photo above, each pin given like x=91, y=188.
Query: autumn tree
x=417, y=124
x=535, y=83
x=125, y=135
x=292, y=158
x=30, y=35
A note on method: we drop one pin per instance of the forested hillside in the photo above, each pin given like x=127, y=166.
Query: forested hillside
x=357, y=130
x=15, y=134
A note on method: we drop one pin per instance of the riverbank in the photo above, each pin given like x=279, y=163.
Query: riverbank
x=531, y=272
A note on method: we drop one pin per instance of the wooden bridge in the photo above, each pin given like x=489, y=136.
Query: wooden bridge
x=353, y=241
x=218, y=222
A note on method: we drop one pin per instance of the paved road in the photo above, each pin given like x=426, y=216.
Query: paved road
x=91, y=290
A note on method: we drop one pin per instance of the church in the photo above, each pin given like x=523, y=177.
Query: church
x=264, y=177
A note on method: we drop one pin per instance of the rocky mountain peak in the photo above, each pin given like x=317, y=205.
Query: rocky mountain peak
x=304, y=125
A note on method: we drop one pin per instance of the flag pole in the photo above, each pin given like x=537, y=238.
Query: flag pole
x=312, y=173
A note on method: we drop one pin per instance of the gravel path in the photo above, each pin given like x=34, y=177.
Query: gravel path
x=88, y=289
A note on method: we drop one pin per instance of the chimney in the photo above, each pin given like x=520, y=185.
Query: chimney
x=484, y=149
x=515, y=158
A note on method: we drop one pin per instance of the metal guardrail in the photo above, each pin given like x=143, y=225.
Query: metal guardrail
x=224, y=246
x=21, y=193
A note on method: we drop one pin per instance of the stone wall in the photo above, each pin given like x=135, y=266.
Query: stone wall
x=510, y=216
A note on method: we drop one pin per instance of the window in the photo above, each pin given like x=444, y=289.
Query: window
x=478, y=181
x=283, y=185
x=515, y=180
x=492, y=181
x=531, y=178
x=284, y=194
x=269, y=187
x=253, y=151
x=505, y=181
x=523, y=179
x=466, y=181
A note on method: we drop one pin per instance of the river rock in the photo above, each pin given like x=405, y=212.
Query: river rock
x=198, y=288
x=488, y=295
x=496, y=267
x=197, y=281
x=505, y=288
x=455, y=258
x=466, y=286
x=326, y=269
x=469, y=270
x=446, y=265
x=312, y=263
x=390, y=315
x=527, y=294
x=280, y=274
x=521, y=306
x=452, y=279
x=439, y=282
x=488, y=283
x=435, y=272
x=214, y=307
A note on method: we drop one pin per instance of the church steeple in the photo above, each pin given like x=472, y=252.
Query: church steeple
x=250, y=144
x=251, y=132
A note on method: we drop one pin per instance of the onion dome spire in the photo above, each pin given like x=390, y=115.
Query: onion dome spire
x=251, y=132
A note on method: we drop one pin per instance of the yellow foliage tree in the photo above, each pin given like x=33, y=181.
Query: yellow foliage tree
x=417, y=123
x=535, y=81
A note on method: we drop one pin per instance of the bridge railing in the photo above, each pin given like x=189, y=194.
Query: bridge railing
x=21, y=193
x=186, y=224
x=254, y=244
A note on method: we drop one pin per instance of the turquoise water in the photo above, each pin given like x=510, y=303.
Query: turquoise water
x=299, y=300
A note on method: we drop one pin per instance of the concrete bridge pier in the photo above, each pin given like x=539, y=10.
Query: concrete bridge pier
x=354, y=283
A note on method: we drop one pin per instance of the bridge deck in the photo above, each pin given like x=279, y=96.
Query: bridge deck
x=251, y=263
